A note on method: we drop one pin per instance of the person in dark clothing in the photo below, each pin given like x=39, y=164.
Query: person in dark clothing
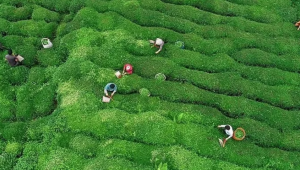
x=12, y=60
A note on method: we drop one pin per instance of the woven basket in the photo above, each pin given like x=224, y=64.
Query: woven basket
x=237, y=138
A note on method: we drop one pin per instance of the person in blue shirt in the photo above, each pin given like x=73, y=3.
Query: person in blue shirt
x=110, y=87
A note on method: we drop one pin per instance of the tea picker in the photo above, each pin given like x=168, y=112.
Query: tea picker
x=158, y=43
x=298, y=25
x=228, y=131
x=110, y=87
x=238, y=134
x=127, y=69
x=13, y=60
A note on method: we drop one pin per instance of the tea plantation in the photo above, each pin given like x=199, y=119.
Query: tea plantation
x=240, y=65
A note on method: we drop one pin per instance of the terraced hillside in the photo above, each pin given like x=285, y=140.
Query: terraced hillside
x=240, y=66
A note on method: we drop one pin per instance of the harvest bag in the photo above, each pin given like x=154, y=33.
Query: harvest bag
x=46, y=43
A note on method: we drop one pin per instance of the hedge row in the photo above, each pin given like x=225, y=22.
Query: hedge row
x=207, y=18
x=12, y=13
x=232, y=106
x=43, y=14
x=103, y=162
x=118, y=124
x=196, y=43
x=255, y=13
x=257, y=131
x=270, y=76
x=218, y=82
x=249, y=94
x=175, y=157
x=35, y=100
x=282, y=8
x=32, y=28
x=257, y=57
x=14, y=131
x=153, y=104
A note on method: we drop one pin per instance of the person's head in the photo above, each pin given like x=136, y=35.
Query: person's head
x=227, y=127
x=112, y=86
x=9, y=52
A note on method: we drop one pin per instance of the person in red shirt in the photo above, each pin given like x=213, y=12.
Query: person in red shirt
x=127, y=69
x=298, y=25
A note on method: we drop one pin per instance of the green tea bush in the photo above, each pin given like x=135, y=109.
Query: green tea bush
x=14, y=148
x=160, y=132
x=207, y=18
x=15, y=131
x=17, y=75
x=61, y=6
x=186, y=12
x=84, y=145
x=140, y=48
x=135, y=103
x=4, y=25
x=68, y=70
x=43, y=14
x=32, y=28
x=283, y=8
x=15, y=14
x=187, y=138
x=29, y=54
x=49, y=57
x=74, y=39
x=44, y=99
x=76, y=5
x=7, y=109
x=180, y=158
x=258, y=14
x=194, y=60
x=114, y=163
x=100, y=6
x=256, y=57
x=7, y=161
x=61, y=158
x=37, y=76
x=270, y=76
x=24, y=107
x=12, y=41
x=137, y=152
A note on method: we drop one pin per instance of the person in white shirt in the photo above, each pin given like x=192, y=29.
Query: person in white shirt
x=159, y=43
x=228, y=131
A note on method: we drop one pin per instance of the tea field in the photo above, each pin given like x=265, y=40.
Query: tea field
x=240, y=66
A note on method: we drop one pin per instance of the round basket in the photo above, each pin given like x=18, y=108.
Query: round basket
x=144, y=92
x=160, y=76
x=239, y=134
x=179, y=44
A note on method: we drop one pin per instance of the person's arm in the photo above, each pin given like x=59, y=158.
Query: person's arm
x=115, y=90
x=105, y=92
x=298, y=28
x=124, y=69
x=221, y=126
x=112, y=94
x=229, y=137
x=160, y=48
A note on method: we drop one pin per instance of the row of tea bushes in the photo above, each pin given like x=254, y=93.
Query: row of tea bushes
x=164, y=130
x=12, y=13
x=226, y=8
x=43, y=14
x=257, y=57
x=207, y=18
x=196, y=43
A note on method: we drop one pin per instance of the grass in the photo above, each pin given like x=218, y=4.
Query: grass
x=239, y=66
